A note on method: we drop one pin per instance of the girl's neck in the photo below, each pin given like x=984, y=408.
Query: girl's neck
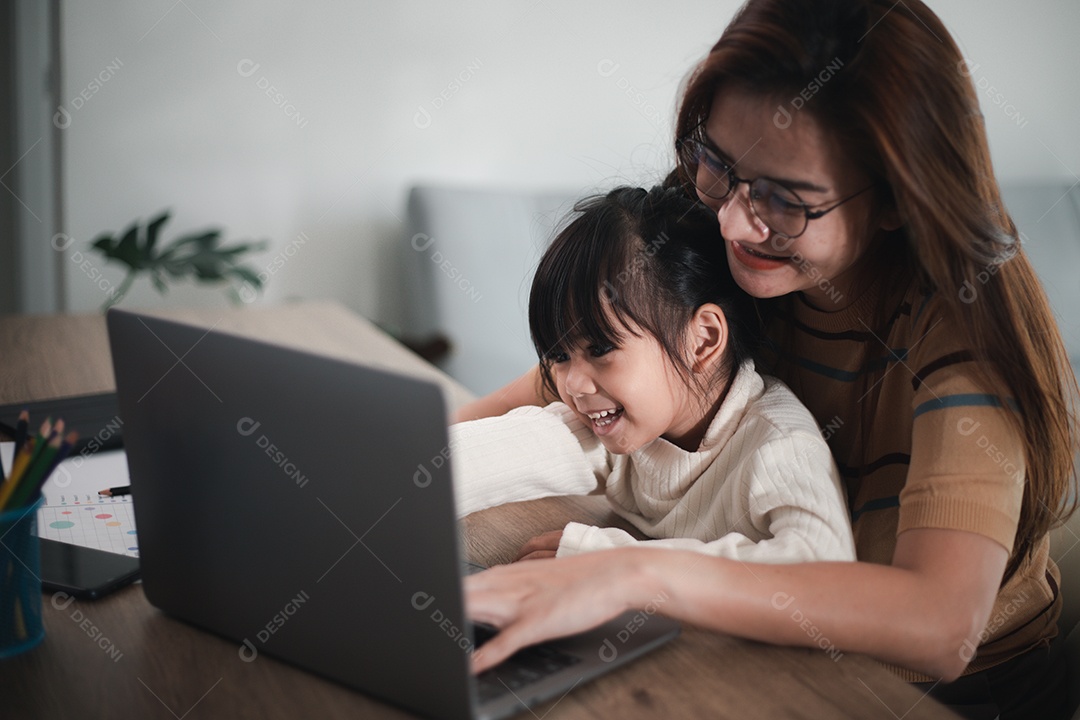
x=690, y=440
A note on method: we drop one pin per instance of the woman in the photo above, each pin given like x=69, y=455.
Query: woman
x=842, y=147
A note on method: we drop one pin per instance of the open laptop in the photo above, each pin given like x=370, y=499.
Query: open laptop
x=302, y=507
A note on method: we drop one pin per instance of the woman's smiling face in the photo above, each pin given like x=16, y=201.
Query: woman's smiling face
x=824, y=260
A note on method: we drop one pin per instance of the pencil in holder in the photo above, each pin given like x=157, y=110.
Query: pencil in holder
x=21, y=626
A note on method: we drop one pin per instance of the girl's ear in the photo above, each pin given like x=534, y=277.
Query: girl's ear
x=708, y=337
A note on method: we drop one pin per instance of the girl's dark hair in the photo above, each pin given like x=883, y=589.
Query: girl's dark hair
x=890, y=82
x=639, y=258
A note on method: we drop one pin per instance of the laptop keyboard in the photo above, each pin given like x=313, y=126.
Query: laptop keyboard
x=523, y=668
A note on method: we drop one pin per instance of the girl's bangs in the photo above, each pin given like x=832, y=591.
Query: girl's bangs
x=576, y=298
x=575, y=309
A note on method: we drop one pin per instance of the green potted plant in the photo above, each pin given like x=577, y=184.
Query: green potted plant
x=199, y=256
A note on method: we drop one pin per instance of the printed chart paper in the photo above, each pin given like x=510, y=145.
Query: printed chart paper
x=73, y=512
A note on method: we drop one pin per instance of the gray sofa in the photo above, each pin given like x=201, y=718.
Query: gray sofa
x=470, y=254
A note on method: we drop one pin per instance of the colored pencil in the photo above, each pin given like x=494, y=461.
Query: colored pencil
x=36, y=446
x=34, y=462
x=116, y=491
x=35, y=477
x=45, y=433
x=21, y=429
x=18, y=469
x=17, y=434
x=65, y=450
x=32, y=466
x=22, y=460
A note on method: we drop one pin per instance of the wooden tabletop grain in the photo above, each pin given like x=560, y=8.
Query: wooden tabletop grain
x=121, y=657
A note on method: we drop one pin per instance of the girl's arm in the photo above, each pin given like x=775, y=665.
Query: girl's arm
x=526, y=390
x=924, y=612
x=782, y=503
x=526, y=454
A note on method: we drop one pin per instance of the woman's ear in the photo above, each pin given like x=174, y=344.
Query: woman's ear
x=889, y=217
x=708, y=337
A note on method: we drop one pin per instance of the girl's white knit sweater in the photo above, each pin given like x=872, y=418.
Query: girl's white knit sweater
x=762, y=486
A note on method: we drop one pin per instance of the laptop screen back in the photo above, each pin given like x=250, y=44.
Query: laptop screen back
x=298, y=505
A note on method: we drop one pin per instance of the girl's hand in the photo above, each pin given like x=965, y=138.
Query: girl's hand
x=541, y=546
x=536, y=601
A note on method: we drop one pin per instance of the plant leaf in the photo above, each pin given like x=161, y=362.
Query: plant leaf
x=159, y=282
x=104, y=243
x=207, y=268
x=247, y=275
x=127, y=249
x=240, y=248
x=201, y=240
x=199, y=255
x=152, y=233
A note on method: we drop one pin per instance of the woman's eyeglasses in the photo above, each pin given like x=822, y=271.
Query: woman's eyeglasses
x=779, y=208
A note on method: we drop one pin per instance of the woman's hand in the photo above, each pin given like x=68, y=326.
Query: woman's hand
x=535, y=601
x=541, y=547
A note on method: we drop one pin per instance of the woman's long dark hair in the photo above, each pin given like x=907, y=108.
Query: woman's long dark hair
x=639, y=258
x=890, y=82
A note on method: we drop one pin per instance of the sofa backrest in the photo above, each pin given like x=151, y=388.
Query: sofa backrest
x=1048, y=216
x=470, y=255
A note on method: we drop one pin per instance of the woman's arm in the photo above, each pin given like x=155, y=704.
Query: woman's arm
x=924, y=612
x=526, y=390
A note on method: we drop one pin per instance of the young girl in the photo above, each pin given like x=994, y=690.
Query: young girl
x=841, y=145
x=640, y=334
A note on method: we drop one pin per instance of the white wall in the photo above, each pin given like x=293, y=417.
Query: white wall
x=376, y=96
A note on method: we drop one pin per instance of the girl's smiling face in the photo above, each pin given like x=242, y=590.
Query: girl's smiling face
x=827, y=257
x=629, y=395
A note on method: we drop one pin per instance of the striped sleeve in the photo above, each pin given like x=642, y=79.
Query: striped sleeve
x=967, y=459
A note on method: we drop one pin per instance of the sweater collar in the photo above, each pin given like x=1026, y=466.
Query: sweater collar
x=856, y=316
x=746, y=387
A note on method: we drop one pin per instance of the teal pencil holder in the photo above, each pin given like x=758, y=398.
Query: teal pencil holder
x=21, y=626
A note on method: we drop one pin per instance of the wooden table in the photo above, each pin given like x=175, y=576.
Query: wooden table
x=120, y=657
